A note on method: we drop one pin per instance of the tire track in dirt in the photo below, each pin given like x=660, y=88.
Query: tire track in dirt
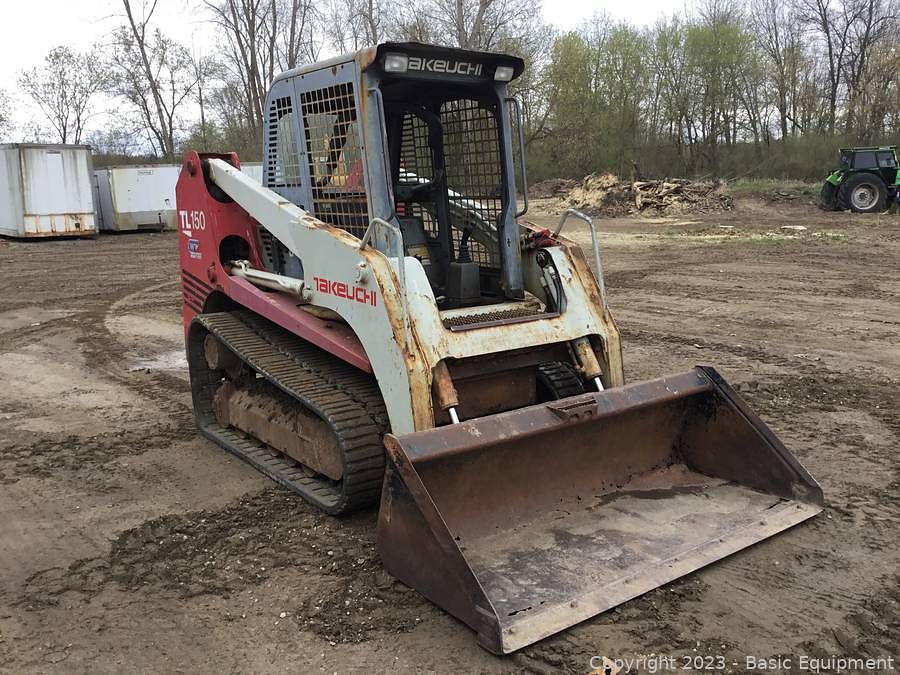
x=347, y=595
x=76, y=456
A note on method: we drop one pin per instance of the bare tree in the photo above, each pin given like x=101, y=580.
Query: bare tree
x=135, y=46
x=470, y=24
x=205, y=70
x=122, y=138
x=5, y=114
x=778, y=32
x=262, y=38
x=833, y=23
x=353, y=24
x=296, y=40
x=874, y=21
x=154, y=74
x=534, y=86
x=877, y=101
x=64, y=89
x=248, y=52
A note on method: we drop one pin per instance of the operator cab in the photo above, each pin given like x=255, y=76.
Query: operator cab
x=869, y=158
x=419, y=136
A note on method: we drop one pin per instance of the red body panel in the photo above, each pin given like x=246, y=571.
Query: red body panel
x=203, y=222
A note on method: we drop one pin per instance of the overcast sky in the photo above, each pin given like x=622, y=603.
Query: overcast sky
x=30, y=28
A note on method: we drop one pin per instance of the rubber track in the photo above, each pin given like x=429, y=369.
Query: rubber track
x=348, y=400
x=560, y=379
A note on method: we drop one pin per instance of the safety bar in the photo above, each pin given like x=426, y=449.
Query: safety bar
x=518, y=107
x=598, y=265
x=398, y=247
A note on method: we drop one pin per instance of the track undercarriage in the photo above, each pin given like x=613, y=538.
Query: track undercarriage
x=302, y=417
x=265, y=371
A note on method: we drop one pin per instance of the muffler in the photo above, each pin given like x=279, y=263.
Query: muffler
x=527, y=522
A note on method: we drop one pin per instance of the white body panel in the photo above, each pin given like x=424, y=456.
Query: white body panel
x=46, y=191
x=402, y=333
x=137, y=197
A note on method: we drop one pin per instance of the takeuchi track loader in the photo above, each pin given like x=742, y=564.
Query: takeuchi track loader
x=374, y=324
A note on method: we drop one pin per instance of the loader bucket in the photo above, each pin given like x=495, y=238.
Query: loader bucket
x=523, y=523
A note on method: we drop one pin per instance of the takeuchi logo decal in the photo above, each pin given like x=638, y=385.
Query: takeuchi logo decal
x=341, y=289
x=444, y=66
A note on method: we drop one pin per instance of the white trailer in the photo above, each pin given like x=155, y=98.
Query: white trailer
x=136, y=197
x=253, y=169
x=45, y=191
x=142, y=197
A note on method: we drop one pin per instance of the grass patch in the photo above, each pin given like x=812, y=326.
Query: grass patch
x=720, y=238
x=773, y=188
x=769, y=238
x=831, y=236
x=744, y=237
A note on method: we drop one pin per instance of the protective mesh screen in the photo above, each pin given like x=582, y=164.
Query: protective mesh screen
x=415, y=154
x=282, y=155
x=474, y=175
x=335, y=160
x=475, y=179
x=416, y=167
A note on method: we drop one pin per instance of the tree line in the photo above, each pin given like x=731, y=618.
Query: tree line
x=765, y=88
x=725, y=88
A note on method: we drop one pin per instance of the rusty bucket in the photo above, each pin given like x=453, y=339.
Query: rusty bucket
x=523, y=523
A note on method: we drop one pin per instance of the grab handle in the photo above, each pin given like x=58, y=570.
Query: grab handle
x=598, y=265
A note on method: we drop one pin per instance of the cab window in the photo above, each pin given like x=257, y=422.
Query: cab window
x=864, y=160
x=887, y=160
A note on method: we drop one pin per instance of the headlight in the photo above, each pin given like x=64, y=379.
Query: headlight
x=396, y=63
x=503, y=73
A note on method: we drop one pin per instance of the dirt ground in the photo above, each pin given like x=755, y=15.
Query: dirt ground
x=129, y=544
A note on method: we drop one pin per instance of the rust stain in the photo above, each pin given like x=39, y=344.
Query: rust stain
x=61, y=224
x=366, y=57
x=611, y=356
x=633, y=450
x=417, y=368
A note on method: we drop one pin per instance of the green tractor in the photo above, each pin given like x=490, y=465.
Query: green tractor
x=867, y=182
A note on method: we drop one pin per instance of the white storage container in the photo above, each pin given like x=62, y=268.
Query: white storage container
x=45, y=191
x=136, y=197
x=253, y=169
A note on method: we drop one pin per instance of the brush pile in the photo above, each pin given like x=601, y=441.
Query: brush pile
x=606, y=194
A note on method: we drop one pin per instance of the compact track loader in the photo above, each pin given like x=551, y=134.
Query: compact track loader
x=375, y=324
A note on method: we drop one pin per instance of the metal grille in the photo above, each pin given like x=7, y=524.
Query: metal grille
x=482, y=319
x=475, y=181
x=282, y=156
x=271, y=250
x=475, y=176
x=276, y=256
x=416, y=167
x=335, y=160
x=414, y=152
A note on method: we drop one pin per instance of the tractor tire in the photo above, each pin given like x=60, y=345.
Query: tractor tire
x=827, y=197
x=862, y=193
